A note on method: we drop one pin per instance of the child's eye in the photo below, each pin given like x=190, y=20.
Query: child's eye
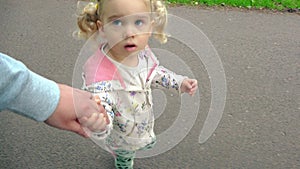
x=139, y=22
x=117, y=22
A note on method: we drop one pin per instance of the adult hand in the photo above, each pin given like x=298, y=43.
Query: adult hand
x=73, y=104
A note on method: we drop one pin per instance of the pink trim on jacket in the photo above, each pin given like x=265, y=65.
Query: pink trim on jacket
x=99, y=68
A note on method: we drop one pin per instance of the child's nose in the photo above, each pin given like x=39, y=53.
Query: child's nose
x=129, y=31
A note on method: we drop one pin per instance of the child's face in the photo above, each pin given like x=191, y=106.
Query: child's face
x=126, y=25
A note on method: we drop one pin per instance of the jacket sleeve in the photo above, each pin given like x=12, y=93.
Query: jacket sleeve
x=25, y=92
x=166, y=79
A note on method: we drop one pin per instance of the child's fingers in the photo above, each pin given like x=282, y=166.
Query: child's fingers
x=194, y=87
x=194, y=82
x=192, y=93
x=87, y=122
x=106, y=117
x=95, y=123
x=97, y=99
x=189, y=84
x=98, y=126
x=95, y=118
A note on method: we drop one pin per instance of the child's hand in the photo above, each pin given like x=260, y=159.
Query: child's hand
x=97, y=121
x=189, y=86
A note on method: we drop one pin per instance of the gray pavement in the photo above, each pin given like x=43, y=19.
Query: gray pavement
x=260, y=53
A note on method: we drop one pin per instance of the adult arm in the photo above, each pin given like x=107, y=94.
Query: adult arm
x=28, y=94
x=25, y=92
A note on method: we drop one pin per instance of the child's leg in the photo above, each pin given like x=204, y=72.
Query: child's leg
x=124, y=159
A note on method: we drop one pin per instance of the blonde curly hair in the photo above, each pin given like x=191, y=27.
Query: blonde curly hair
x=93, y=11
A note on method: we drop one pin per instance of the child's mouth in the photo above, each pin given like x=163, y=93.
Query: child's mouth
x=130, y=47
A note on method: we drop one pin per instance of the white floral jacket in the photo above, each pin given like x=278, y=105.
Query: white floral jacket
x=125, y=92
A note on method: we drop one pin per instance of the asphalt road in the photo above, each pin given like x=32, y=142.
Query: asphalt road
x=260, y=54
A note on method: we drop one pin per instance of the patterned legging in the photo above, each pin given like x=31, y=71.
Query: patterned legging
x=124, y=158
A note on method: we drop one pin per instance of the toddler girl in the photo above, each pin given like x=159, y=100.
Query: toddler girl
x=122, y=71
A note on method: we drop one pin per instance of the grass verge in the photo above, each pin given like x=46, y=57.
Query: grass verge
x=281, y=5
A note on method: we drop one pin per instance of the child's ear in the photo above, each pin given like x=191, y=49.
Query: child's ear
x=100, y=28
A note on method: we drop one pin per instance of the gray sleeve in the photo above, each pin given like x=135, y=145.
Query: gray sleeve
x=25, y=92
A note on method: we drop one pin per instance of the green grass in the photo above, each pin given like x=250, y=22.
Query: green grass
x=258, y=4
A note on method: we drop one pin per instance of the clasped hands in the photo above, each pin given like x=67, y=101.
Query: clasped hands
x=95, y=122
